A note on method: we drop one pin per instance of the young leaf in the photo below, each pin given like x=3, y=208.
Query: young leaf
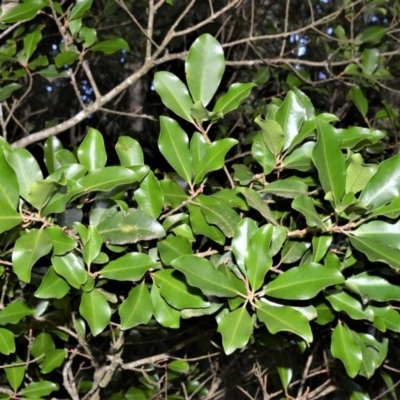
x=357, y=137
x=92, y=152
x=96, y=311
x=137, y=308
x=272, y=134
x=7, y=342
x=235, y=328
x=329, y=160
x=304, y=282
x=51, y=146
x=174, y=94
x=174, y=146
x=233, y=97
x=358, y=174
x=204, y=67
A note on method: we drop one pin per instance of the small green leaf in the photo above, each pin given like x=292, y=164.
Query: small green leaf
x=344, y=302
x=173, y=247
x=96, y=311
x=305, y=205
x=28, y=249
x=370, y=60
x=62, y=243
x=7, y=91
x=39, y=389
x=174, y=94
x=71, y=268
x=92, y=152
x=129, y=151
x=52, y=360
x=15, y=374
x=293, y=251
x=7, y=342
x=231, y=100
x=88, y=35
x=304, y=282
x=31, y=41
x=23, y=12
x=129, y=267
x=52, y=286
x=111, y=46
x=200, y=273
x=300, y=159
x=51, y=146
x=235, y=328
x=289, y=188
x=66, y=58
x=149, y=196
x=373, y=34
x=345, y=348
x=42, y=344
x=164, y=314
x=9, y=188
x=15, y=312
x=358, y=174
x=137, y=308
x=272, y=134
x=391, y=210
x=9, y=218
x=262, y=154
x=359, y=100
x=174, y=146
x=204, y=67
x=320, y=244
x=277, y=318
x=180, y=366
x=80, y=7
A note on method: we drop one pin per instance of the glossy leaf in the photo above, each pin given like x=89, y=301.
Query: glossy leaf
x=174, y=146
x=111, y=46
x=177, y=292
x=62, y=243
x=129, y=267
x=200, y=273
x=278, y=318
x=320, y=246
x=15, y=374
x=7, y=91
x=9, y=188
x=39, y=389
x=28, y=249
x=137, y=308
x=164, y=314
x=80, y=7
x=384, y=186
x=96, y=311
x=149, y=196
x=358, y=174
x=300, y=158
x=204, y=67
x=174, y=94
x=359, y=100
x=14, y=312
x=329, y=160
x=173, y=193
x=52, y=360
x=391, y=210
x=305, y=206
x=370, y=60
x=352, y=307
x=272, y=134
x=129, y=151
x=290, y=116
x=130, y=227
x=233, y=97
x=7, y=342
x=304, y=282
x=52, y=286
x=293, y=251
x=71, y=268
x=257, y=259
x=357, y=137
x=23, y=12
x=42, y=344
x=262, y=154
x=51, y=146
x=92, y=247
x=235, y=328
x=345, y=348
x=173, y=247
x=374, y=287
x=380, y=231
x=92, y=152
x=9, y=218
x=388, y=315
x=289, y=188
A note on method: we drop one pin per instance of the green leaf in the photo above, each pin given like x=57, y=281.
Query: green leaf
x=129, y=151
x=384, y=186
x=96, y=311
x=52, y=360
x=38, y=389
x=177, y=292
x=51, y=73
x=373, y=34
x=213, y=158
x=9, y=189
x=356, y=137
x=289, y=188
x=344, y=302
x=88, y=35
x=255, y=201
x=370, y=60
x=111, y=46
x=80, y=7
x=293, y=251
x=329, y=160
x=164, y=314
x=359, y=100
x=391, y=210
x=200, y=273
x=376, y=250
x=305, y=206
x=388, y=315
x=62, y=243
x=320, y=244
x=262, y=154
x=26, y=168
x=373, y=287
x=173, y=193
x=42, y=344
x=23, y=11
x=257, y=259
x=52, y=286
x=129, y=267
x=225, y=218
x=15, y=375
x=358, y=174
x=180, y=366
x=231, y=100
x=380, y=231
x=14, y=312
x=41, y=192
x=6, y=91
x=304, y=282
x=204, y=67
x=28, y=249
x=173, y=247
x=130, y=227
x=7, y=342
x=51, y=146
x=300, y=159
x=31, y=40
x=149, y=196
x=235, y=328
x=272, y=134
x=107, y=178
x=71, y=268
x=345, y=348
x=174, y=94
x=92, y=247
x=244, y=231
x=137, y=308
x=174, y=146
x=290, y=116
x=9, y=218
x=66, y=58
x=278, y=318
x=92, y=152
x=307, y=130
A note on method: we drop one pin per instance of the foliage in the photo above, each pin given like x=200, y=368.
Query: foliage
x=270, y=251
